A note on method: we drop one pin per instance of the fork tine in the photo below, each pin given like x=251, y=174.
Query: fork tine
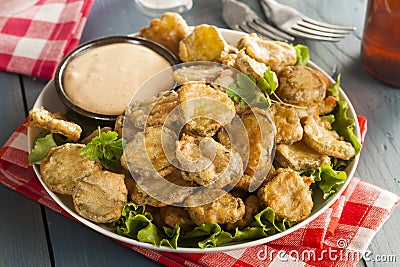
x=248, y=28
x=274, y=30
x=293, y=22
x=301, y=34
x=327, y=25
x=306, y=24
x=317, y=32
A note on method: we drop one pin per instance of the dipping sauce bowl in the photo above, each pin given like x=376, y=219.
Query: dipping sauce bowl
x=98, y=79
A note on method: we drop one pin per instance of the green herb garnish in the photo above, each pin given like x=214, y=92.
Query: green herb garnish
x=107, y=148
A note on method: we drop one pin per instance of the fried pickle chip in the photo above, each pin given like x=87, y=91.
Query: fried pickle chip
x=173, y=216
x=326, y=141
x=287, y=122
x=225, y=209
x=300, y=85
x=42, y=118
x=100, y=197
x=288, y=194
x=154, y=111
x=205, y=109
x=250, y=66
x=171, y=190
x=205, y=43
x=168, y=30
x=252, y=206
x=63, y=167
x=207, y=162
x=272, y=53
x=151, y=153
x=202, y=72
x=139, y=196
x=299, y=156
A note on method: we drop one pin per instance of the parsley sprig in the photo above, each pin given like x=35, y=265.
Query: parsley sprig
x=255, y=93
x=107, y=148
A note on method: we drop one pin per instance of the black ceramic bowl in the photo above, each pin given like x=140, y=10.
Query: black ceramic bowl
x=60, y=71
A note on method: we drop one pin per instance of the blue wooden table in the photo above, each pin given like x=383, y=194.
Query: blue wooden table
x=33, y=235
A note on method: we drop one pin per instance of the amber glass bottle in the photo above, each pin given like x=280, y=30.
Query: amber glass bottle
x=380, y=50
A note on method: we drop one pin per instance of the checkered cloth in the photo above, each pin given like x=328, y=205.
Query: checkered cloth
x=33, y=41
x=338, y=237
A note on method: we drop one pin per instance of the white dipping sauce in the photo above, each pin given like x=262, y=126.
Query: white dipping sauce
x=104, y=79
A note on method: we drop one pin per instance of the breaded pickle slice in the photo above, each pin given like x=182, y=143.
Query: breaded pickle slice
x=101, y=196
x=63, y=167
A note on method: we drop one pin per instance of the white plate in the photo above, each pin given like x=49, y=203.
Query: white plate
x=49, y=99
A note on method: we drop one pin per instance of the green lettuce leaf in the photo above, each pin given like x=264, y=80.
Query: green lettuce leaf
x=266, y=219
x=41, y=148
x=264, y=224
x=330, y=180
x=326, y=179
x=334, y=90
x=302, y=55
x=136, y=223
x=213, y=233
x=344, y=125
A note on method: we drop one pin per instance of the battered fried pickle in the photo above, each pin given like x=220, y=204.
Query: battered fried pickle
x=200, y=73
x=272, y=53
x=168, y=31
x=252, y=206
x=225, y=78
x=171, y=190
x=288, y=194
x=261, y=133
x=207, y=162
x=150, y=153
x=205, y=109
x=173, y=216
x=155, y=111
x=100, y=197
x=42, y=118
x=160, y=192
x=139, y=196
x=63, y=167
x=299, y=156
x=205, y=43
x=288, y=126
x=327, y=105
x=300, y=85
x=325, y=141
x=250, y=66
x=224, y=208
x=310, y=110
x=254, y=140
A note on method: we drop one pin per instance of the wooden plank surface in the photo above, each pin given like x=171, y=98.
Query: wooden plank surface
x=23, y=239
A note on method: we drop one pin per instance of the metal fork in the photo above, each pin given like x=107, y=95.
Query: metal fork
x=293, y=22
x=240, y=17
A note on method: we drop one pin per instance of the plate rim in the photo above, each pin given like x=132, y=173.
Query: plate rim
x=97, y=227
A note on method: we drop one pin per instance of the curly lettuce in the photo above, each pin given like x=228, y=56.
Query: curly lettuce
x=137, y=223
x=326, y=179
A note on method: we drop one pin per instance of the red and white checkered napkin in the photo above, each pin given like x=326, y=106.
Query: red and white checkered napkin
x=338, y=237
x=33, y=41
